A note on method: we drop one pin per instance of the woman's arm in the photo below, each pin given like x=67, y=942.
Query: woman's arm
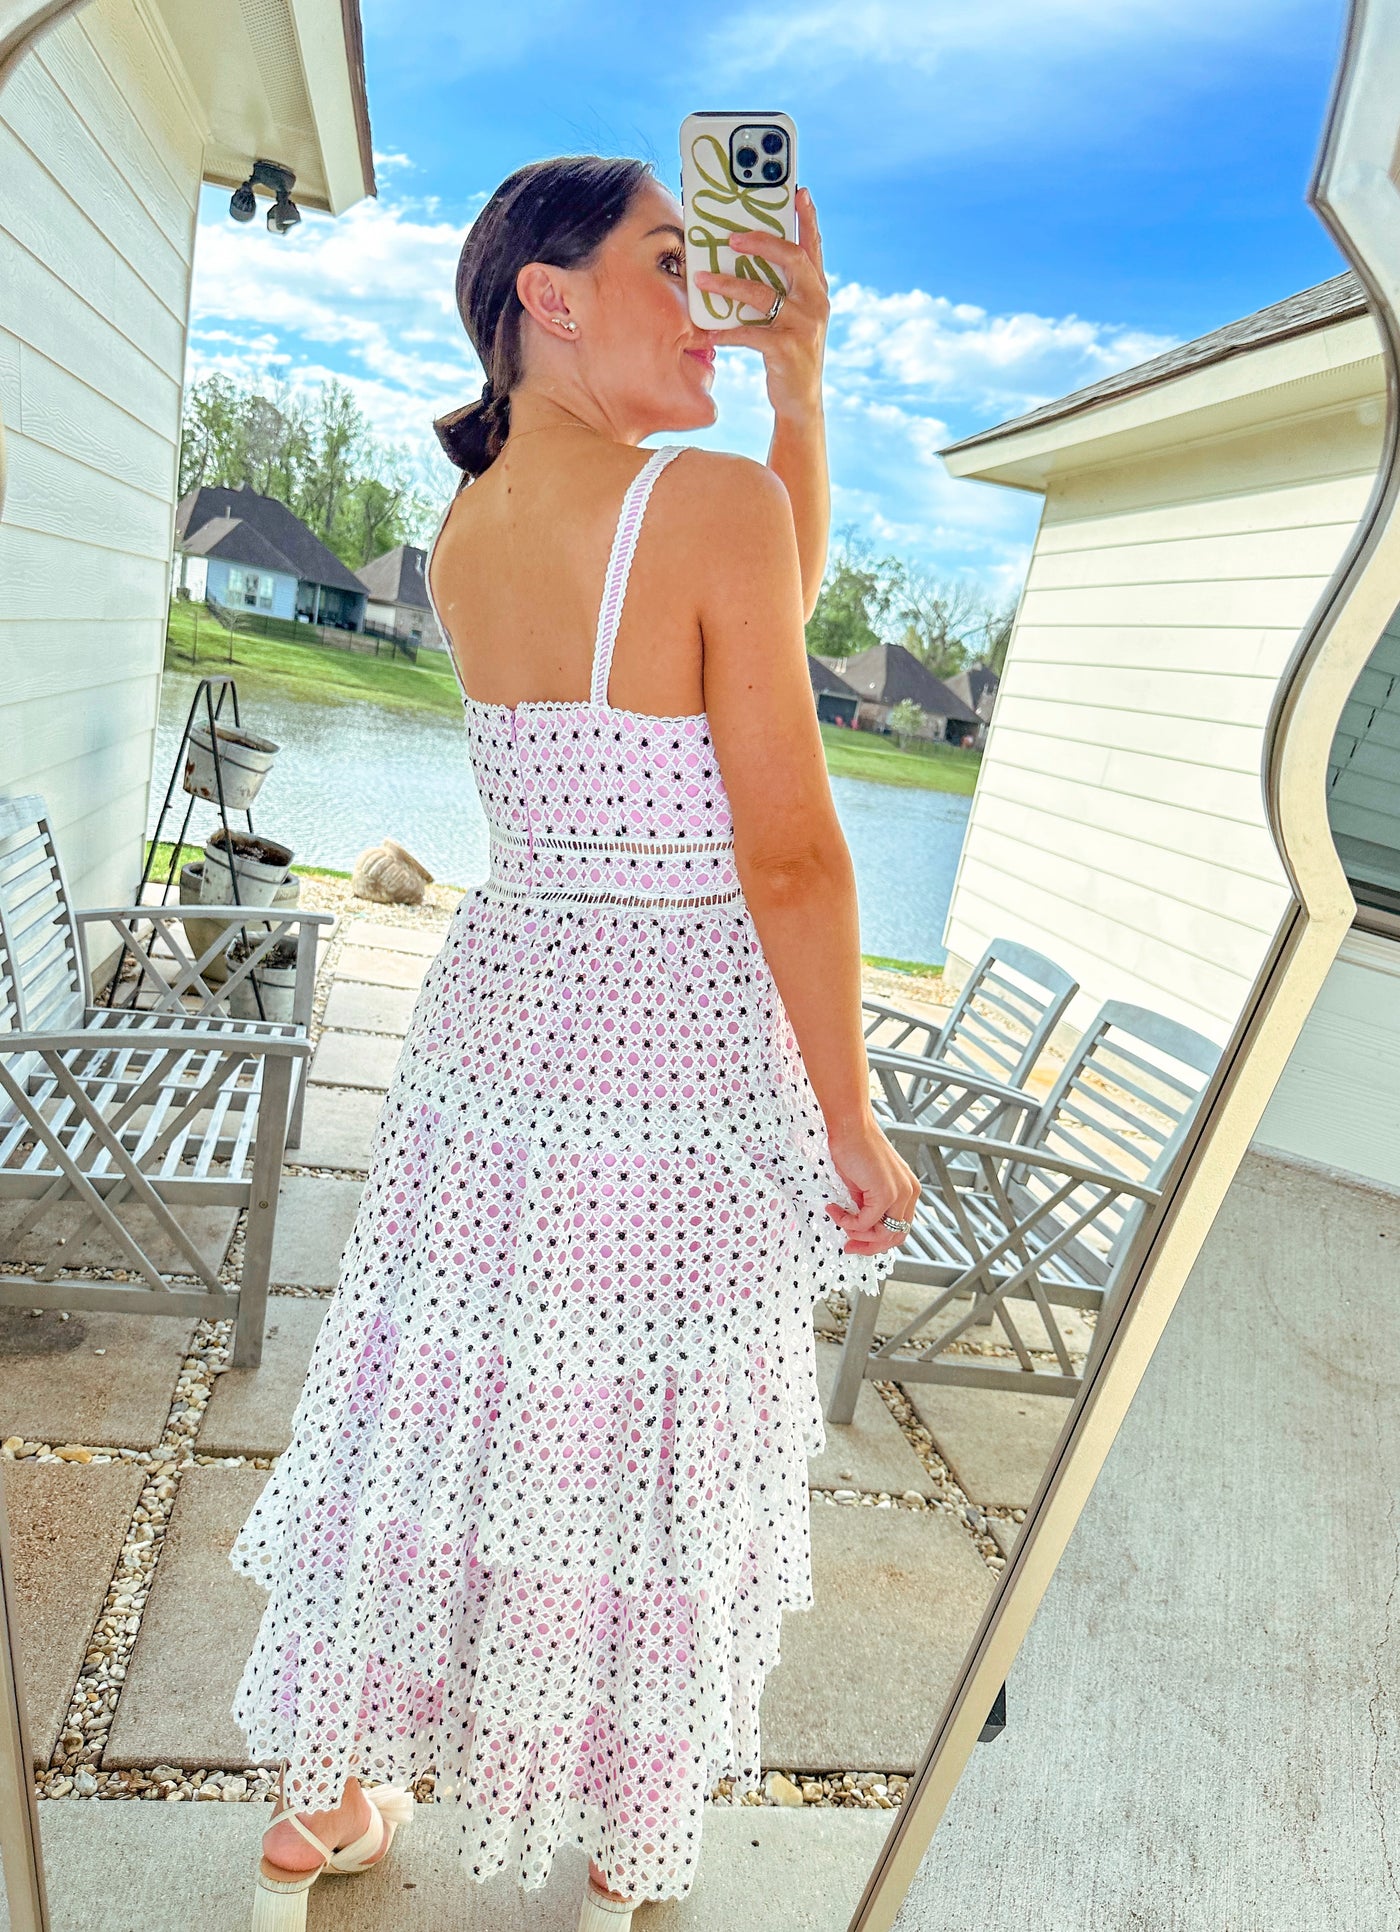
x=792, y=349
x=797, y=455
x=792, y=857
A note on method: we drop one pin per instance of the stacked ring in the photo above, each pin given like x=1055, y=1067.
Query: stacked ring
x=894, y=1226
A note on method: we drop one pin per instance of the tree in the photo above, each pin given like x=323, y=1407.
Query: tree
x=906, y=718
x=853, y=602
x=313, y=451
x=942, y=620
x=998, y=638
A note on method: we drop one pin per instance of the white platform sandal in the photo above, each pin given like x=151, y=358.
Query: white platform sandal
x=601, y=1913
x=279, y=1904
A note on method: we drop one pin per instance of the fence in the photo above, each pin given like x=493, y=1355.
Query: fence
x=371, y=641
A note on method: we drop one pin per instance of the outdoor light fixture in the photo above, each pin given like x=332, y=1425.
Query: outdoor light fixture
x=284, y=213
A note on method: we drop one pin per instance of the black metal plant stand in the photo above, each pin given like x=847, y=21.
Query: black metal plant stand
x=212, y=708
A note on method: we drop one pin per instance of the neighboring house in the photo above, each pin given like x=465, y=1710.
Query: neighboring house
x=977, y=687
x=1194, y=508
x=109, y=122
x=249, y=552
x=398, y=596
x=836, y=701
x=887, y=674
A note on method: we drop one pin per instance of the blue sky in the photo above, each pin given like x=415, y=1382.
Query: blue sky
x=1017, y=197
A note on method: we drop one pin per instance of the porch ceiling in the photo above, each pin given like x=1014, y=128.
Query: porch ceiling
x=280, y=80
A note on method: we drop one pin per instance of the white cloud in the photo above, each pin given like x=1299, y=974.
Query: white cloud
x=369, y=300
x=955, y=352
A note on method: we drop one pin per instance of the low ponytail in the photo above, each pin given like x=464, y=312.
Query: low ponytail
x=474, y=435
x=559, y=212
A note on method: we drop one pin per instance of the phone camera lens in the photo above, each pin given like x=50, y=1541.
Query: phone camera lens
x=772, y=142
x=772, y=171
x=747, y=157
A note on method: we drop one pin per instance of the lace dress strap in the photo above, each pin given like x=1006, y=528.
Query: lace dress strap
x=629, y=526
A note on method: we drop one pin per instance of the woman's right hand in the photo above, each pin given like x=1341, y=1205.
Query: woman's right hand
x=879, y=1182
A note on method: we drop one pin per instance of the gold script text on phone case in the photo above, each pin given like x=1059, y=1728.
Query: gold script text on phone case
x=723, y=207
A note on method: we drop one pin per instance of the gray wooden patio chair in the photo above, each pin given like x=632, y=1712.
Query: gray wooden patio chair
x=165, y=1102
x=1044, y=1216
x=1008, y=1006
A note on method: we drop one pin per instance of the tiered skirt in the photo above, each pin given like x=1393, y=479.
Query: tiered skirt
x=545, y=1500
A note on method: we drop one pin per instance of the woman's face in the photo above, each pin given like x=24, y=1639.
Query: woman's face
x=639, y=351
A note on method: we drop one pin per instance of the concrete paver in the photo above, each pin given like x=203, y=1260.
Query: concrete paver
x=864, y=1674
x=198, y=1628
x=378, y=967
x=903, y=1300
x=423, y=940
x=164, y=1868
x=91, y=1246
x=337, y=1127
x=250, y=1411
x=314, y=1216
x=67, y=1522
x=1004, y=1532
x=355, y=1059
x=996, y=1441
x=871, y=1451
x=362, y=1008
x=93, y=1378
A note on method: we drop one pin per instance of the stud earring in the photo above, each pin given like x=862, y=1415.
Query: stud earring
x=565, y=323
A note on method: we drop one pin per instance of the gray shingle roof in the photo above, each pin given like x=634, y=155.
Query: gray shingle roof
x=1336, y=300
x=977, y=686
x=887, y=674
x=237, y=542
x=269, y=521
x=825, y=679
x=397, y=577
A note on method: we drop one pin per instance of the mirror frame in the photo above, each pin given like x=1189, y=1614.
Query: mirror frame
x=1354, y=191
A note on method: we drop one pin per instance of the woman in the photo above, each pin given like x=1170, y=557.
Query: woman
x=546, y=1496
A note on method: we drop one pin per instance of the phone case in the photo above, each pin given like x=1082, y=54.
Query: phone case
x=716, y=205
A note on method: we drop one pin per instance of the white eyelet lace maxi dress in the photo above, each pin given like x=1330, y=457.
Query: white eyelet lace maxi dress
x=546, y=1496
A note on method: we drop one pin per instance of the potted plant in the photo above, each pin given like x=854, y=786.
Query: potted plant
x=244, y=760
x=276, y=976
x=259, y=864
x=202, y=933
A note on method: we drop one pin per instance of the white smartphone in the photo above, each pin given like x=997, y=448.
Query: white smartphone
x=738, y=171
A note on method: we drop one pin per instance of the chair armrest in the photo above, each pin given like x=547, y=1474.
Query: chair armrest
x=947, y=1075
x=263, y=915
x=254, y=1036
x=1017, y=1154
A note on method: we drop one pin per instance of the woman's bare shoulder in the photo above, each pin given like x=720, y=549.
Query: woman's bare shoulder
x=725, y=484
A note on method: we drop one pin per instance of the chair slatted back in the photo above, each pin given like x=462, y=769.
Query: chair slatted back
x=42, y=985
x=1009, y=1005
x=1123, y=1102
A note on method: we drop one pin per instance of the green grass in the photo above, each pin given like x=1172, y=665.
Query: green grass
x=311, y=671
x=325, y=675
x=864, y=754
x=901, y=965
x=191, y=854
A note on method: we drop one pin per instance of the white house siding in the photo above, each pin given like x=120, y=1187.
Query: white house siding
x=1338, y=1100
x=1363, y=773
x=1118, y=823
x=101, y=153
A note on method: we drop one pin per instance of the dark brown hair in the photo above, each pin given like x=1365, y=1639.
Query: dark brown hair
x=558, y=212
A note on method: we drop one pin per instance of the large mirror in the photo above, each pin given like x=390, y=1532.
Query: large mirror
x=1086, y=974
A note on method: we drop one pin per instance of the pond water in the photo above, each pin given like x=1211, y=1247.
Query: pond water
x=349, y=774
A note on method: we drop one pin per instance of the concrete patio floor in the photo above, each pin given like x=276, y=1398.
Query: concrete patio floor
x=132, y=1453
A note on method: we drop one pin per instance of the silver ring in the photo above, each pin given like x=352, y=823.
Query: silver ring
x=772, y=314
x=895, y=1227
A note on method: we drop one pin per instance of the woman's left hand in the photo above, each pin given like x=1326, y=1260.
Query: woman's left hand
x=792, y=345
